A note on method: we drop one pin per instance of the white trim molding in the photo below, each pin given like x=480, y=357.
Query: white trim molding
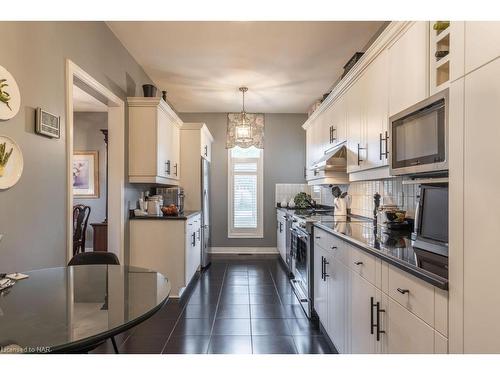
x=244, y=250
x=116, y=153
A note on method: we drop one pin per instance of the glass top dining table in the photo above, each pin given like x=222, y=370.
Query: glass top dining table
x=69, y=309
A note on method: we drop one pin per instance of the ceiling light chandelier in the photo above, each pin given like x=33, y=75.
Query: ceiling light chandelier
x=243, y=130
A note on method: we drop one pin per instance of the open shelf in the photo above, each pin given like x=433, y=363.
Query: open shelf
x=443, y=73
x=440, y=56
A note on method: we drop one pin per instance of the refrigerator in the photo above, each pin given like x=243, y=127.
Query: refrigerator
x=205, y=208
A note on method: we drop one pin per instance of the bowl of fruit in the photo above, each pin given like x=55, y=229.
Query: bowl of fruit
x=170, y=210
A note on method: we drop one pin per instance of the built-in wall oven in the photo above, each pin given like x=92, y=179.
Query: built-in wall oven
x=418, y=137
x=301, y=259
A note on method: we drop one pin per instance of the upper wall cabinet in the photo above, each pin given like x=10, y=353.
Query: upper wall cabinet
x=154, y=139
x=482, y=43
x=409, y=67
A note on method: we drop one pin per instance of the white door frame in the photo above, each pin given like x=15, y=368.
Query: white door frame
x=116, y=166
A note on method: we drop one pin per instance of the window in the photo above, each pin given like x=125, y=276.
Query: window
x=245, y=186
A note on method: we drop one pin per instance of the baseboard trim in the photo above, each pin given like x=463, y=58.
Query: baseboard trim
x=244, y=250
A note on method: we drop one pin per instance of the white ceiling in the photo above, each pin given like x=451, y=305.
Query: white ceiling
x=286, y=65
x=84, y=102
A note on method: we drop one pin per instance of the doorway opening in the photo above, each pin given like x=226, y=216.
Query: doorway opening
x=95, y=154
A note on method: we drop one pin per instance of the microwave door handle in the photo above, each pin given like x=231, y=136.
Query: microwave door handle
x=417, y=217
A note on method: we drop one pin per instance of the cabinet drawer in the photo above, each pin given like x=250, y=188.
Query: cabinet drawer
x=414, y=294
x=363, y=264
x=323, y=239
x=332, y=245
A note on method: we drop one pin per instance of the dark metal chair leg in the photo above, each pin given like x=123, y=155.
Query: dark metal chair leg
x=114, y=345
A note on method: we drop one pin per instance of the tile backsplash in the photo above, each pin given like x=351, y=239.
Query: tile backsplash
x=392, y=191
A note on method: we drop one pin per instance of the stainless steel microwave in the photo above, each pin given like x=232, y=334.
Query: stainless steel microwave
x=419, y=137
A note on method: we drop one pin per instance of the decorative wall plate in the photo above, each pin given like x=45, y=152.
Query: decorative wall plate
x=11, y=162
x=10, y=98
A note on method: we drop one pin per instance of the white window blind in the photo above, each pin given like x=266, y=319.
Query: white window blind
x=245, y=192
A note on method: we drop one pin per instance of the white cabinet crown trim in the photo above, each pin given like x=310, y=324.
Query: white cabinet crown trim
x=390, y=34
x=138, y=101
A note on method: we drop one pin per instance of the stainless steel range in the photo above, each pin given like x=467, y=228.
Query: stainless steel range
x=301, y=254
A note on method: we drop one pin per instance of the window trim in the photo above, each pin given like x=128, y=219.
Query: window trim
x=250, y=232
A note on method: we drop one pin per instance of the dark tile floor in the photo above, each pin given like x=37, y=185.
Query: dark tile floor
x=240, y=305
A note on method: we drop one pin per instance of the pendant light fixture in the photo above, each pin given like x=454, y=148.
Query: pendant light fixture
x=243, y=131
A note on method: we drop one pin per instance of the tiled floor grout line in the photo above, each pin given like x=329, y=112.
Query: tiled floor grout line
x=179, y=317
x=216, y=309
x=285, y=318
x=250, y=312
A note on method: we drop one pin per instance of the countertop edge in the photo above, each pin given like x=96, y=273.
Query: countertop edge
x=181, y=217
x=435, y=280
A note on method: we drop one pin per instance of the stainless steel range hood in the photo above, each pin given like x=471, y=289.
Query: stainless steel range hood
x=332, y=167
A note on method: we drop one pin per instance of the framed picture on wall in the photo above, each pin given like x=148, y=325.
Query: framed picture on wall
x=86, y=174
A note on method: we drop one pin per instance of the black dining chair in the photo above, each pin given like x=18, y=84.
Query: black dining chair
x=97, y=258
x=81, y=215
x=94, y=257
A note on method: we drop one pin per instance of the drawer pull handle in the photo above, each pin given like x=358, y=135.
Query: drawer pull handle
x=317, y=237
x=358, y=263
x=334, y=247
x=403, y=291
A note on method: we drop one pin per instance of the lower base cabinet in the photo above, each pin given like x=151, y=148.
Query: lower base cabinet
x=171, y=247
x=362, y=318
x=405, y=332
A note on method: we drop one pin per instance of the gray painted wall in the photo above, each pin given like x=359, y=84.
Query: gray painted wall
x=87, y=136
x=284, y=160
x=33, y=212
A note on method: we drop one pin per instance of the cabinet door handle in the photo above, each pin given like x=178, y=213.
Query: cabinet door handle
x=359, y=149
x=199, y=234
x=326, y=275
x=372, y=325
x=403, y=291
x=206, y=150
x=323, y=268
x=380, y=145
x=317, y=237
x=379, y=331
x=175, y=166
x=358, y=263
x=281, y=227
x=386, y=145
x=305, y=172
x=193, y=241
x=168, y=166
x=334, y=131
x=333, y=247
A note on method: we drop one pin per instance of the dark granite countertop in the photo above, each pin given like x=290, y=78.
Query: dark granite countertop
x=394, y=247
x=184, y=216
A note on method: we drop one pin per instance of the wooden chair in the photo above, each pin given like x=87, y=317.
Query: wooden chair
x=81, y=215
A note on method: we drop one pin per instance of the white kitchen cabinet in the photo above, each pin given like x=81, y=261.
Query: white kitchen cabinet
x=409, y=67
x=281, y=234
x=339, y=120
x=193, y=247
x=376, y=111
x=362, y=294
x=194, y=137
x=404, y=331
x=321, y=286
x=171, y=247
x=356, y=148
x=482, y=43
x=337, y=302
x=481, y=300
x=153, y=142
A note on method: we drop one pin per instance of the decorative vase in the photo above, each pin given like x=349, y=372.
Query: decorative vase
x=284, y=203
x=149, y=90
x=291, y=204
